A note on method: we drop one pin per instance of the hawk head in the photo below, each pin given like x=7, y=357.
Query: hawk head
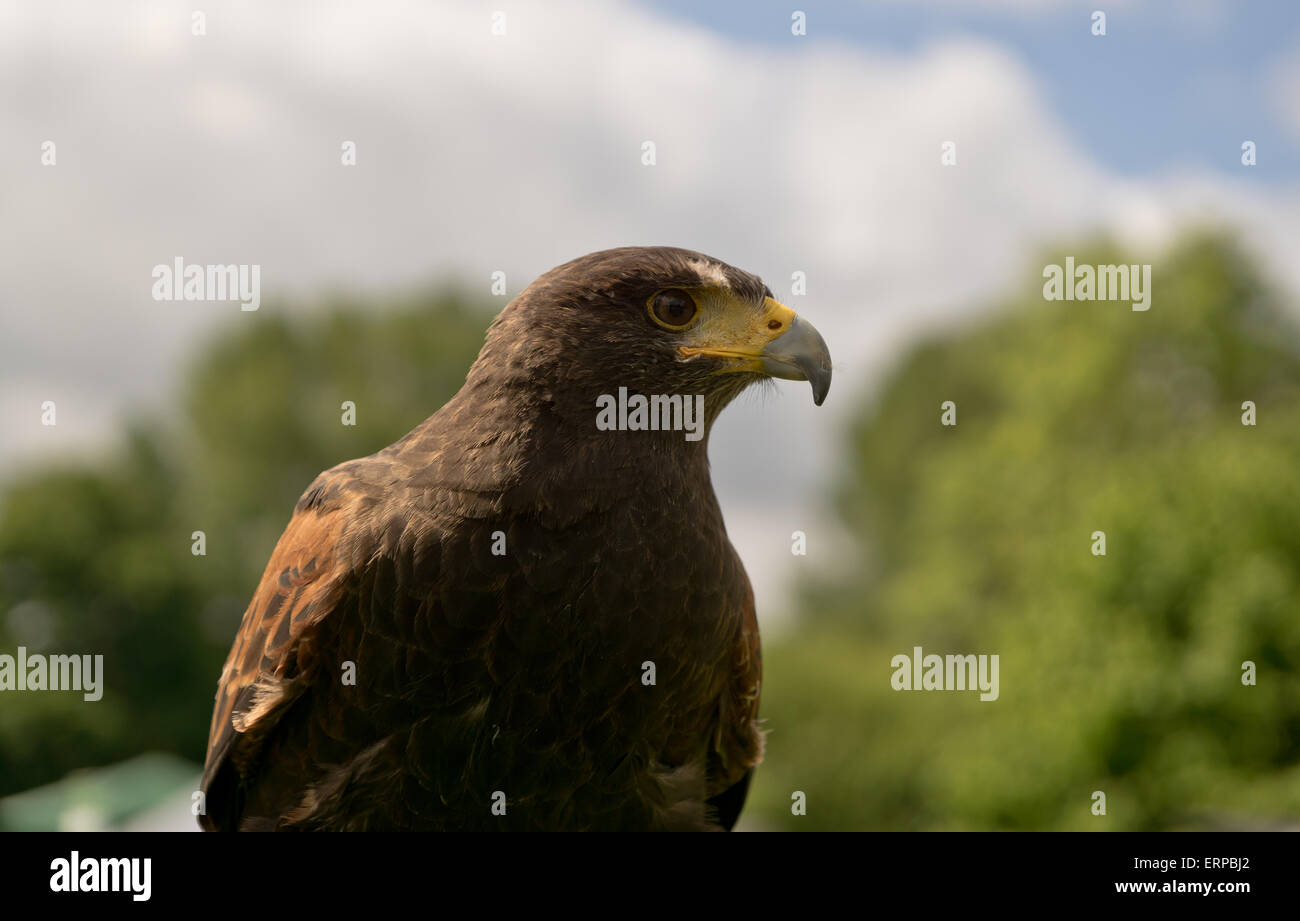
x=656, y=320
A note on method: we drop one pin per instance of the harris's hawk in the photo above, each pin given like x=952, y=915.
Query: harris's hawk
x=516, y=617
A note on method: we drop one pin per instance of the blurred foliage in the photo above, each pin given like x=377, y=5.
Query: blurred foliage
x=95, y=557
x=1119, y=673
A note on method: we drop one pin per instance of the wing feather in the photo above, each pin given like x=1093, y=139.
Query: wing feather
x=738, y=741
x=270, y=662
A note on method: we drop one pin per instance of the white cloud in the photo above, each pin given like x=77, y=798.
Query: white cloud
x=520, y=152
x=1285, y=91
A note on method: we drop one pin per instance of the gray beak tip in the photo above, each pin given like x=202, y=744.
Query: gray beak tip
x=800, y=354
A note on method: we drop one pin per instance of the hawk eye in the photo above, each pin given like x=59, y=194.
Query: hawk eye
x=673, y=308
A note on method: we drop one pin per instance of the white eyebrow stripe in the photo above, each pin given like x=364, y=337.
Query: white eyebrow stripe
x=710, y=273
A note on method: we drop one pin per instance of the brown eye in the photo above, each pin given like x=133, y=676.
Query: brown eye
x=673, y=308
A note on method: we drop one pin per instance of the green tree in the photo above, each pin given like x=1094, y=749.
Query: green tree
x=96, y=555
x=1119, y=673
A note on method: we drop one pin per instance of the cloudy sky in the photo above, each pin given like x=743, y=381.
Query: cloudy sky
x=478, y=152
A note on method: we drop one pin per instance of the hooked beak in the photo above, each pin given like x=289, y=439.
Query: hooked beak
x=800, y=354
x=776, y=342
